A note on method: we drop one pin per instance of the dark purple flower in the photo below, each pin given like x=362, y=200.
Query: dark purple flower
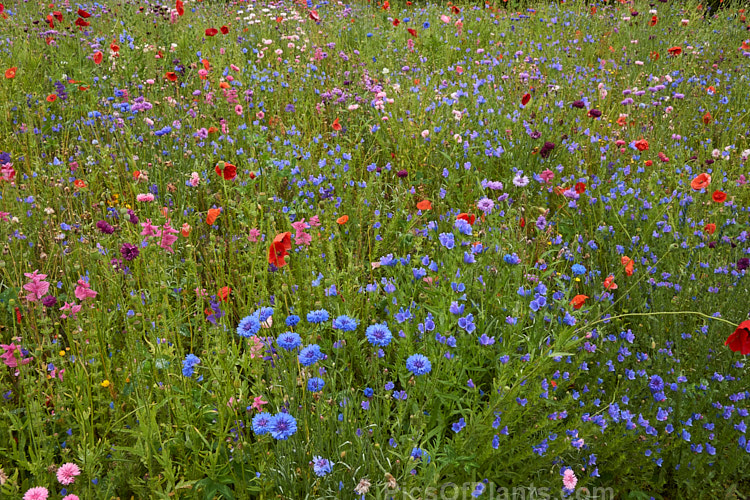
x=578, y=104
x=595, y=113
x=546, y=149
x=51, y=300
x=743, y=264
x=402, y=173
x=129, y=251
x=133, y=217
x=105, y=227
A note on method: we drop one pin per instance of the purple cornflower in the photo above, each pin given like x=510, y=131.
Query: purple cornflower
x=129, y=251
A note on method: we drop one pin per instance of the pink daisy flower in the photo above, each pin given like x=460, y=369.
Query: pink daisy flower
x=67, y=473
x=38, y=493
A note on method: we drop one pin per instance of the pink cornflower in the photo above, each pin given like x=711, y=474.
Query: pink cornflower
x=145, y=197
x=253, y=236
x=71, y=497
x=569, y=479
x=67, y=473
x=547, y=176
x=38, y=493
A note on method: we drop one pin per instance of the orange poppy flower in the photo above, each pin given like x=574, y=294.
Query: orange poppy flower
x=342, y=220
x=212, y=130
x=213, y=213
x=98, y=56
x=185, y=230
x=206, y=64
x=674, y=51
x=424, y=205
x=226, y=170
x=336, y=125
x=224, y=85
x=470, y=218
x=278, y=249
x=114, y=47
x=609, y=283
x=719, y=196
x=709, y=228
x=223, y=294
x=10, y=72
x=707, y=118
x=629, y=264
x=578, y=301
x=79, y=183
x=701, y=181
x=642, y=145
x=171, y=76
x=51, y=98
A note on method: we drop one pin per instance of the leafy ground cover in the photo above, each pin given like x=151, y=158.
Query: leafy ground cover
x=276, y=250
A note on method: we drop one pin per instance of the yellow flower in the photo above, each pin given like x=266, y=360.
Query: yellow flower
x=105, y=383
x=62, y=353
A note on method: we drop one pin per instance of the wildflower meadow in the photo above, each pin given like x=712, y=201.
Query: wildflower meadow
x=386, y=249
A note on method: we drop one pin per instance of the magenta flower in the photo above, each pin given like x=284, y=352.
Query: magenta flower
x=67, y=473
x=37, y=286
x=149, y=229
x=84, y=291
x=9, y=357
x=253, y=236
x=168, y=238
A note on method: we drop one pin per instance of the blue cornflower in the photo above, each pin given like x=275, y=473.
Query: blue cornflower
x=378, y=334
x=656, y=384
x=289, y=341
x=282, y=426
x=188, y=364
x=418, y=364
x=319, y=316
x=265, y=313
x=310, y=355
x=315, y=384
x=447, y=240
x=345, y=323
x=511, y=259
x=292, y=320
x=321, y=466
x=459, y=425
x=261, y=423
x=249, y=326
x=578, y=269
x=369, y=392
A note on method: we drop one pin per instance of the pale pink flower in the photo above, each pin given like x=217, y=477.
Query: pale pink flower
x=234, y=68
x=67, y=473
x=38, y=493
x=168, y=237
x=73, y=308
x=445, y=19
x=83, y=291
x=145, y=197
x=258, y=403
x=71, y=497
x=314, y=221
x=260, y=115
x=256, y=349
x=195, y=179
x=300, y=225
x=253, y=236
x=569, y=479
x=302, y=238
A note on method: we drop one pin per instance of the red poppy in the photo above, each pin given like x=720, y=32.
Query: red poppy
x=51, y=98
x=654, y=56
x=641, y=145
x=336, y=125
x=206, y=64
x=171, y=76
x=82, y=23
x=2, y=8
x=114, y=47
x=522, y=222
x=709, y=228
x=525, y=99
x=674, y=51
x=412, y=32
x=224, y=30
x=628, y=263
x=58, y=16
x=386, y=5
x=213, y=213
x=79, y=183
x=211, y=32
x=580, y=188
x=654, y=20
x=710, y=89
x=180, y=7
x=342, y=220
x=649, y=163
x=578, y=301
x=707, y=118
x=701, y=181
x=455, y=9
x=226, y=170
x=82, y=13
x=51, y=22
x=424, y=205
x=609, y=283
x=719, y=196
x=739, y=341
x=396, y=22
x=223, y=294
x=314, y=16
x=278, y=249
x=10, y=72
x=98, y=56
x=470, y=218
